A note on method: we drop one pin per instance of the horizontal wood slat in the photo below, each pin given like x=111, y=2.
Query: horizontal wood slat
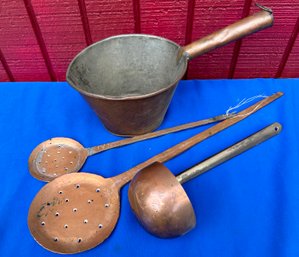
x=19, y=45
x=261, y=53
x=210, y=16
x=39, y=38
x=61, y=26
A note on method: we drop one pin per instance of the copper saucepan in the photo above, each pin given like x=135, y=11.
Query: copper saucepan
x=129, y=79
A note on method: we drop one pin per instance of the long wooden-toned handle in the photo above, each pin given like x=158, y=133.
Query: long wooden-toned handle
x=258, y=21
x=127, y=141
x=125, y=177
x=230, y=152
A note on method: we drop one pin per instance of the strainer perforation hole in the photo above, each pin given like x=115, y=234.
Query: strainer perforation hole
x=89, y=201
x=79, y=240
x=43, y=223
x=75, y=209
x=71, y=162
x=60, y=192
x=85, y=221
x=66, y=226
x=98, y=190
x=78, y=186
x=67, y=200
x=106, y=205
x=57, y=214
x=62, y=157
x=100, y=225
x=55, y=239
x=48, y=203
x=55, y=160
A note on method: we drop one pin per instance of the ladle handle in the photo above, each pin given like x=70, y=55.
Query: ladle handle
x=258, y=21
x=123, y=142
x=230, y=152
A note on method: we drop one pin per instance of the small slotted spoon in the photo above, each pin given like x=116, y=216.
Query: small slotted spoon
x=78, y=211
x=61, y=155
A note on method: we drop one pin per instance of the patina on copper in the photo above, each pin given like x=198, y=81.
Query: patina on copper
x=76, y=189
x=159, y=201
x=129, y=80
x=61, y=155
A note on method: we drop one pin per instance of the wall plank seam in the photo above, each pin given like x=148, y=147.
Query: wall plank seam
x=39, y=38
x=6, y=67
x=85, y=22
x=137, y=19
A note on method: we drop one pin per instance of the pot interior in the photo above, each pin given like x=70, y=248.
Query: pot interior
x=128, y=65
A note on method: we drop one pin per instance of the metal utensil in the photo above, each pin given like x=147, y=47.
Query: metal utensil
x=61, y=155
x=78, y=211
x=129, y=80
x=159, y=201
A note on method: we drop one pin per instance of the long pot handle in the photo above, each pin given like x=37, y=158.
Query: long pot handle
x=230, y=152
x=251, y=24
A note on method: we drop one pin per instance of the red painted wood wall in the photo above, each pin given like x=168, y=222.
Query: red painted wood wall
x=38, y=38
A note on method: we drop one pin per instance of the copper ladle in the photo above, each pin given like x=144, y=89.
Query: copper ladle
x=159, y=201
x=61, y=155
x=78, y=211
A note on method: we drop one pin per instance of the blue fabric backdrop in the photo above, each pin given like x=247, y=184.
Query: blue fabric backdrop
x=245, y=207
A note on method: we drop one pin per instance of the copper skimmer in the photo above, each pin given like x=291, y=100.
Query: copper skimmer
x=78, y=211
x=159, y=201
x=61, y=155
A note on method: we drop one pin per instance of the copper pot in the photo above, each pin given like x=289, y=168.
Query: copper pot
x=129, y=80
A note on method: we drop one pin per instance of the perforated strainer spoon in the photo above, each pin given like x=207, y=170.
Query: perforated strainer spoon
x=61, y=155
x=78, y=211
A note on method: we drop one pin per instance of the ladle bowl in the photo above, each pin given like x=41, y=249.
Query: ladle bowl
x=159, y=201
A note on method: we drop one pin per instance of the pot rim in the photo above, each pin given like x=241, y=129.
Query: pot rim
x=109, y=97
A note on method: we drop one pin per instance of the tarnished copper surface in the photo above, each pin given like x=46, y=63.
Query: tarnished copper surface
x=109, y=187
x=158, y=199
x=129, y=80
x=160, y=203
x=56, y=157
x=237, y=30
x=61, y=155
x=74, y=212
